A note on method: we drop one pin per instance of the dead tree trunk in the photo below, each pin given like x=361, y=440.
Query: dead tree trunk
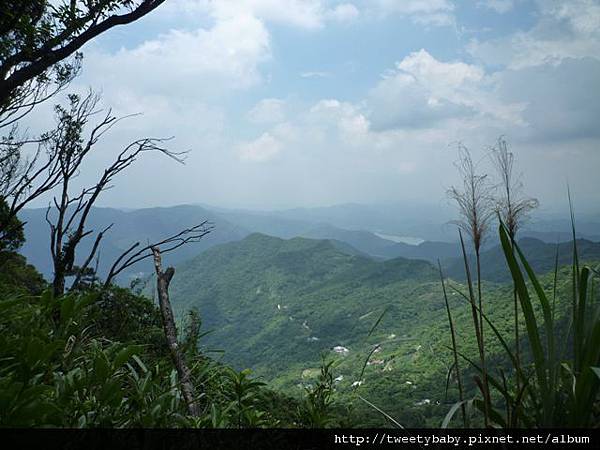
x=162, y=284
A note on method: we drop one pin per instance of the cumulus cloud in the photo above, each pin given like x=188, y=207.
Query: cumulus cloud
x=564, y=30
x=193, y=64
x=422, y=91
x=263, y=149
x=351, y=125
x=268, y=110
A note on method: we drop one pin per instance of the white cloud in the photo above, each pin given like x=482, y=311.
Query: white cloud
x=222, y=56
x=344, y=12
x=268, y=110
x=428, y=12
x=392, y=138
x=263, y=149
x=187, y=63
x=423, y=91
x=500, y=6
x=315, y=74
x=564, y=30
x=301, y=13
x=308, y=14
x=422, y=66
x=351, y=125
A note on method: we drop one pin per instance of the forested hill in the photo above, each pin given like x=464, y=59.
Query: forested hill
x=276, y=306
x=152, y=224
x=270, y=302
x=265, y=297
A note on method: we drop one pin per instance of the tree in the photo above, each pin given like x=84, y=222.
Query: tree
x=11, y=233
x=40, y=40
x=67, y=219
x=26, y=175
x=39, y=56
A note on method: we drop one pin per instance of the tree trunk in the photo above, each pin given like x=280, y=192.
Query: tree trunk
x=58, y=283
x=162, y=283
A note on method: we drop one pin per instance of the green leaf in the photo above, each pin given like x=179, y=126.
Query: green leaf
x=453, y=411
x=124, y=355
x=526, y=306
x=378, y=321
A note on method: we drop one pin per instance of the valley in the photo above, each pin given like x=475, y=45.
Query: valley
x=277, y=306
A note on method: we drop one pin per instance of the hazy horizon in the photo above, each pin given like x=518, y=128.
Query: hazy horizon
x=304, y=104
x=445, y=207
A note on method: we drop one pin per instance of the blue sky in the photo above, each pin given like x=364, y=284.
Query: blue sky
x=286, y=103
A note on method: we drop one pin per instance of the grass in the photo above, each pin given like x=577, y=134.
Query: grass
x=557, y=385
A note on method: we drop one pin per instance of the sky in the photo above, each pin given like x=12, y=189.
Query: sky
x=289, y=103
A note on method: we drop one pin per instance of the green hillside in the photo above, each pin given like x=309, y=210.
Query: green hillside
x=277, y=305
x=269, y=300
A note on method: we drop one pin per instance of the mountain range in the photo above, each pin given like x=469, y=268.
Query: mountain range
x=278, y=305
x=340, y=223
x=276, y=292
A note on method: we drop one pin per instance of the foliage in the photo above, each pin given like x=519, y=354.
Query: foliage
x=88, y=359
x=54, y=373
x=337, y=298
x=16, y=276
x=11, y=232
x=119, y=315
x=555, y=387
x=315, y=411
x=40, y=40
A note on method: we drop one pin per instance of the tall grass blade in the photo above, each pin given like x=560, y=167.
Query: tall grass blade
x=378, y=321
x=461, y=404
x=364, y=366
x=526, y=306
x=454, y=347
x=382, y=412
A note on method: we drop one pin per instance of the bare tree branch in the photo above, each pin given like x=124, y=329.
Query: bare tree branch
x=128, y=258
x=81, y=271
x=70, y=150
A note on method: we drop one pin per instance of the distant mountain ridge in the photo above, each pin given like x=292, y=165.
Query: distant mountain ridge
x=149, y=224
x=541, y=256
x=143, y=225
